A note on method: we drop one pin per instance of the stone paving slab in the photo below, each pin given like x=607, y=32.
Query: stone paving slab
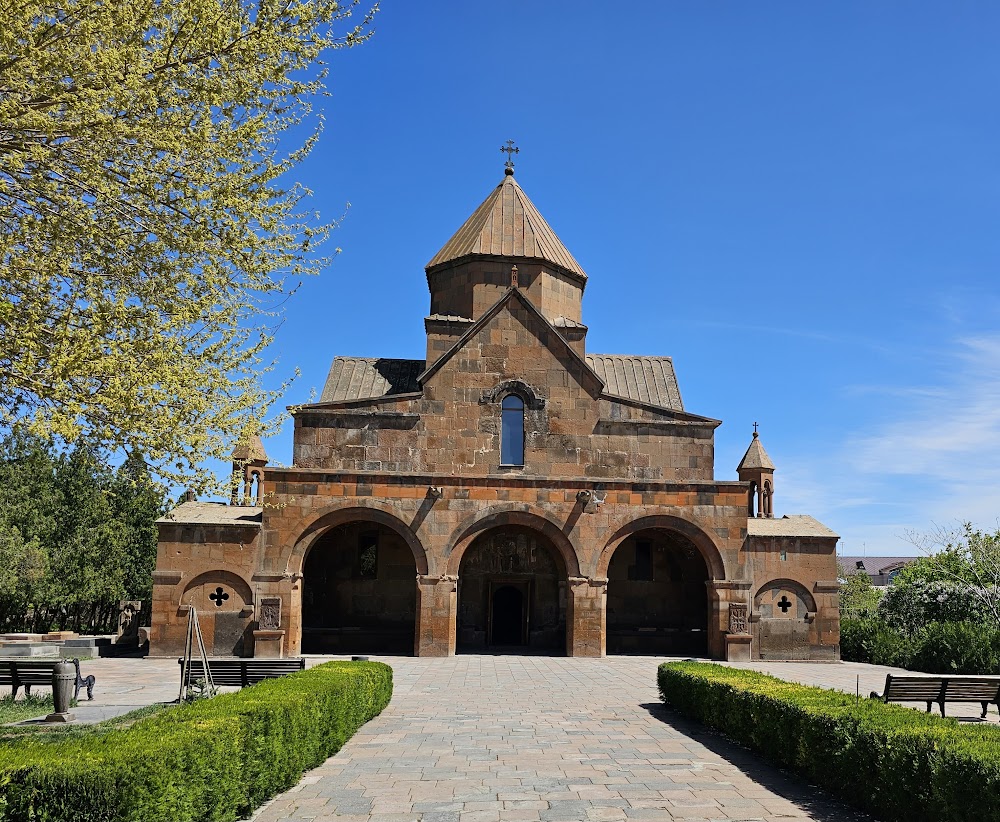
x=541, y=739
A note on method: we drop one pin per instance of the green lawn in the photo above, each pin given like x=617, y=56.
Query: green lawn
x=25, y=708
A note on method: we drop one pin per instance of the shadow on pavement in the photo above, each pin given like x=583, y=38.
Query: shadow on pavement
x=820, y=805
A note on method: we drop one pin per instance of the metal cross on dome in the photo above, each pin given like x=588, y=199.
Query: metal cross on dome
x=510, y=149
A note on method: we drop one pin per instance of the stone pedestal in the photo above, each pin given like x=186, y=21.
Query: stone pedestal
x=269, y=644
x=585, y=635
x=738, y=647
x=437, y=610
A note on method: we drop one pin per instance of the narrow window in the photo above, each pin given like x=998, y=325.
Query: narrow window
x=512, y=431
x=642, y=571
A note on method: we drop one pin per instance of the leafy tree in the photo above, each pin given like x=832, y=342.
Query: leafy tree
x=73, y=530
x=858, y=597
x=969, y=557
x=146, y=233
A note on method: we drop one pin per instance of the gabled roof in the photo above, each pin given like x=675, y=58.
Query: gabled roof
x=353, y=378
x=755, y=457
x=645, y=379
x=507, y=224
x=509, y=295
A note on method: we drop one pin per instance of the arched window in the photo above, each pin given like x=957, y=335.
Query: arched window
x=512, y=431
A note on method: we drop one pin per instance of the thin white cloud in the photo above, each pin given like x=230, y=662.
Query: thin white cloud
x=935, y=460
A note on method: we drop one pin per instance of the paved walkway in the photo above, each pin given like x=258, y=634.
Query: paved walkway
x=491, y=738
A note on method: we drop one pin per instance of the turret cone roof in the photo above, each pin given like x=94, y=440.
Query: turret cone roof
x=755, y=457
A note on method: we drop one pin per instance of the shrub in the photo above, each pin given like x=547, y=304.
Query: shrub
x=908, y=606
x=912, y=766
x=871, y=640
x=956, y=648
x=213, y=759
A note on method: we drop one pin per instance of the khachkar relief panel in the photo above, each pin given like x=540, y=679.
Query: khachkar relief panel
x=270, y=613
x=737, y=618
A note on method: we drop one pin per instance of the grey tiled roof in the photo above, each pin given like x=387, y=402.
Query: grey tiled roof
x=873, y=565
x=794, y=525
x=212, y=513
x=646, y=379
x=507, y=224
x=353, y=378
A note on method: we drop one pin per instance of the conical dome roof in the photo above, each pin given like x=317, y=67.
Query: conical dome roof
x=755, y=457
x=251, y=449
x=507, y=224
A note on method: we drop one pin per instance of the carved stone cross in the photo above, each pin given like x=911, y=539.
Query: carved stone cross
x=218, y=597
x=784, y=604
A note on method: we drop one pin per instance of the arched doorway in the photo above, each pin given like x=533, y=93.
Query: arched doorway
x=512, y=593
x=359, y=591
x=657, y=596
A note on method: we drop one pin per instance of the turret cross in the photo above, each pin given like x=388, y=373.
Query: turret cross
x=510, y=149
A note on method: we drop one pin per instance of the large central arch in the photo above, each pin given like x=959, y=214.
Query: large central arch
x=512, y=593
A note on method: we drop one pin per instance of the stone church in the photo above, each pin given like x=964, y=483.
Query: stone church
x=508, y=492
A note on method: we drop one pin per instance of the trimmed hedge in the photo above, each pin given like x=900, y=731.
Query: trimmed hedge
x=213, y=759
x=936, y=648
x=896, y=762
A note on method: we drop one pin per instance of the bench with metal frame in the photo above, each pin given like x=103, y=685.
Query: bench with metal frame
x=243, y=672
x=25, y=673
x=941, y=689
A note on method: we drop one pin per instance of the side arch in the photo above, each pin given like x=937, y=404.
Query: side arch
x=511, y=514
x=192, y=593
x=789, y=585
x=310, y=529
x=701, y=540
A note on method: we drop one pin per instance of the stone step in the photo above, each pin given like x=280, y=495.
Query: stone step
x=47, y=649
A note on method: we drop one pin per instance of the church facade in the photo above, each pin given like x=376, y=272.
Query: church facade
x=507, y=492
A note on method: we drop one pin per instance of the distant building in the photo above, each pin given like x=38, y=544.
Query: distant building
x=509, y=491
x=881, y=570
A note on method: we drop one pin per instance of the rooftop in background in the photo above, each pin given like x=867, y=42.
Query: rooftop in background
x=880, y=569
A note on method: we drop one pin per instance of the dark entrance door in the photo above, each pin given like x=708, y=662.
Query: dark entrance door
x=508, y=617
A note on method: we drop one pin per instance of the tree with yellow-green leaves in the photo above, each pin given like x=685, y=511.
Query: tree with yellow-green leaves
x=148, y=228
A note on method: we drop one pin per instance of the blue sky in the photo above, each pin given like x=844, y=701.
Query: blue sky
x=798, y=202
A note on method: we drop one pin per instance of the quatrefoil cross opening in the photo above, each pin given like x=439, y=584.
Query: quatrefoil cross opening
x=218, y=597
x=784, y=604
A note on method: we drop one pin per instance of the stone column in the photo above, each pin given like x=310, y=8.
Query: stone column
x=586, y=617
x=728, y=623
x=437, y=609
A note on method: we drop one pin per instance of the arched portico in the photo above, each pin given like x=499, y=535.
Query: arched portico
x=506, y=516
x=312, y=528
x=660, y=598
x=512, y=593
x=358, y=593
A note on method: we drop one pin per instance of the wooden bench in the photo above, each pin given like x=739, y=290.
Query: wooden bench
x=941, y=689
x=243, y=672
x=28, y=672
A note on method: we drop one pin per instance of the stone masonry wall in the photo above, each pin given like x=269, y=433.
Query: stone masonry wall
x=454, y=427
